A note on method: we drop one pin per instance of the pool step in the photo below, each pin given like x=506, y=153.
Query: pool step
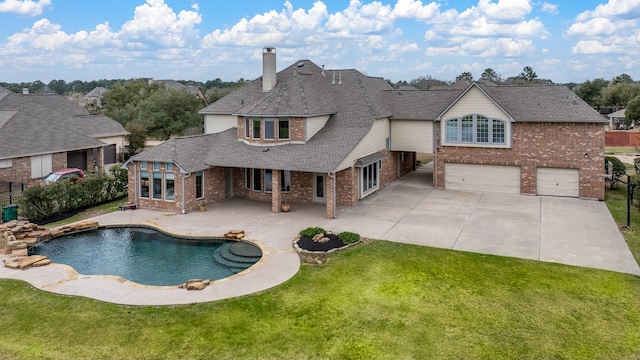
x=231, y=256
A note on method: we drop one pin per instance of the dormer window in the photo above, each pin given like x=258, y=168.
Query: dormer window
x=269, y=129
x=283, y=129
x=266, y=129
x=256, y=128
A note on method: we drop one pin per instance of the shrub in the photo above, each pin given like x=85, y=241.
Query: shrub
x=44, y=201
x=312, y=231
x=348, y=237
x=618, y=166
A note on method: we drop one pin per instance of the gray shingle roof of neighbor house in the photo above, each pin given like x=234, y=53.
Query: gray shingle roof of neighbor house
x=353, y=101
x=40, y=124
x=97, y=92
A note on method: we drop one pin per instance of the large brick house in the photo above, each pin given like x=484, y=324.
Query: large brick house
x=41, y=133
x=306, y=134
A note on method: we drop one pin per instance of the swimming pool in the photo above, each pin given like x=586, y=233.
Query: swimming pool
x=149, y=257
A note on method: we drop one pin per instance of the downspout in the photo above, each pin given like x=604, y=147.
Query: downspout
x=182, y=211
x=435, y=157
x=333, y=176
x=135, y=183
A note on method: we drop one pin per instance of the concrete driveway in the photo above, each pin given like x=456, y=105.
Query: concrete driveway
x=563, y=230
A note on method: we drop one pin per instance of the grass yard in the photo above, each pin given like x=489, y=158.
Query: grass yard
x=382, y=300
x=616, y=201
x=628, y=150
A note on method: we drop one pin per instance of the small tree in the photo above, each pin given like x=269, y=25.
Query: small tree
x=490, y=75
x=632, y=112
x=465, y=76
x=528, y=74
x=137, y=138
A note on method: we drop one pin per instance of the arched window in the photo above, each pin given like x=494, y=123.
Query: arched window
x=475, y=129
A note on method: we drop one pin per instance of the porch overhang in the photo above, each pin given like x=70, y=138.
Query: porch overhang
x=369, y=159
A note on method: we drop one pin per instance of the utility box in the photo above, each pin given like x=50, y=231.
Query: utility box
x=10, y=212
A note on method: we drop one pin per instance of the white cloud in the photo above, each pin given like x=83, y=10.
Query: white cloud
x=505, y=9
x=156, y=20
x=593, y=47
x=414, y=9
x=272, y=28
x=593, y=27
x=550, y=8
x=626, y=9
x=24, y=7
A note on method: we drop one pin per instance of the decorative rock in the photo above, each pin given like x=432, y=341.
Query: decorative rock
x=195, y=284
x=20, y=252
x=234, y=234
x=30, y=260
x=11, y=263
x=42, y=262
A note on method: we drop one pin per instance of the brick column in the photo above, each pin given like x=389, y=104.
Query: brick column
x=276, y=196
x=331, y=197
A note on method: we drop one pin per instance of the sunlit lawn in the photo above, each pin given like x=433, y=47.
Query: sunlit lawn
x=381, y=300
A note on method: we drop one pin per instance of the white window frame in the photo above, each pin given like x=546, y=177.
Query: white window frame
x=466, y=135
x=272, y=122
x=369, y=172
x=166, y=178
x=284, y=120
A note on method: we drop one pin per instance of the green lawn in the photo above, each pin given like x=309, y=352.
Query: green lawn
x=95, y=211
x=380, y=300
x=620, y=150
x=616, y=201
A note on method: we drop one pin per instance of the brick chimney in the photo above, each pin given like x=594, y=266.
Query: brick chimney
x=268, y=68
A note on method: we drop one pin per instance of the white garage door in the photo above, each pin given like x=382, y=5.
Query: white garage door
x=558, y=182
x=490, y=178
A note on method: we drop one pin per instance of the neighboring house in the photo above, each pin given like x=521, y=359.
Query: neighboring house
x=174, y=85
x=93, y=100
x=616, y=119
x=41, y=133
x=306, y=134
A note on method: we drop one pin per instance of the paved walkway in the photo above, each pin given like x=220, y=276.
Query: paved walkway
x=568, y=231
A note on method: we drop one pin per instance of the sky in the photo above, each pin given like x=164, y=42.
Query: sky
x=562, y=40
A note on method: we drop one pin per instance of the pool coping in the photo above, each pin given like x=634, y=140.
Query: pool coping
x=273, y=268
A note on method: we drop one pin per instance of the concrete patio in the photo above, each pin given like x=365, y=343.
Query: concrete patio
x=562, y=230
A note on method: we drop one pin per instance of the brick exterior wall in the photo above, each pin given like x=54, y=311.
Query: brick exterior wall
x=555, y=145
x=301, y=186
x=297, y=131
x=20, y=172
x=213, y=189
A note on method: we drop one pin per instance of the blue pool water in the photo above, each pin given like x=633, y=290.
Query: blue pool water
x=148, y=257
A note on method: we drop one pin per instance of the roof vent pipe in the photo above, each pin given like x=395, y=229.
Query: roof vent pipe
x=268, y=68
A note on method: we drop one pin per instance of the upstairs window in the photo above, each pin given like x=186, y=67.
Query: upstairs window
x=269, y=129
x=283, y=129
x=256, y=128
x=475, y=129
x=247, y=127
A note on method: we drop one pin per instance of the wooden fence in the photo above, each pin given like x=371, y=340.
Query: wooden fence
x=622, y=138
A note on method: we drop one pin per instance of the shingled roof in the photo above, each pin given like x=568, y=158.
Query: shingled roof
x=353, y=102
x=542, y=103
x=45, y=123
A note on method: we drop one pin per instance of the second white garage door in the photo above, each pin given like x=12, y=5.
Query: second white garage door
x=558, y=182
x=489, y=178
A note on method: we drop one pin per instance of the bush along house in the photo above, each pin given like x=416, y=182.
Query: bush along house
x=306, y=134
